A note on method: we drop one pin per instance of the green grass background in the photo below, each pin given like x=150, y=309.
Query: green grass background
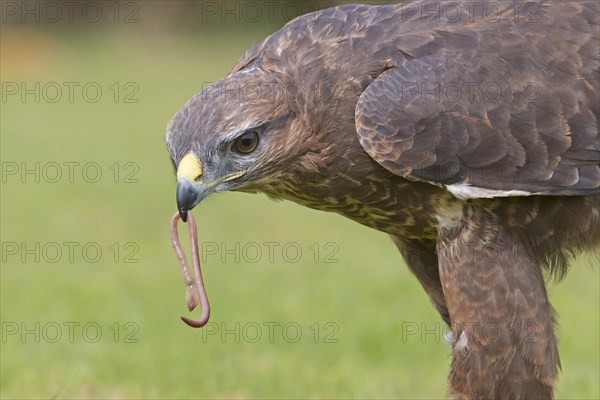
x=368, y=293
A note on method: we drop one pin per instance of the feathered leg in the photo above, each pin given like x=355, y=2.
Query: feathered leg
x=502, y=321
x=422, y=260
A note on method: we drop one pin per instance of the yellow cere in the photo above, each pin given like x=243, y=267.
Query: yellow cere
x=189, y=168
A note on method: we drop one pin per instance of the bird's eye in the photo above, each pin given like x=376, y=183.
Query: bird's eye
x=246, y=143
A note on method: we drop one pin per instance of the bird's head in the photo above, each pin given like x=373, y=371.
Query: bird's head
x=282, y=122
x=246, y=133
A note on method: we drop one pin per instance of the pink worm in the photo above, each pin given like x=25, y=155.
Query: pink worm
x=196, y=293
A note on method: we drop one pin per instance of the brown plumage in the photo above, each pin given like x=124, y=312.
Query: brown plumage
x=472, y=141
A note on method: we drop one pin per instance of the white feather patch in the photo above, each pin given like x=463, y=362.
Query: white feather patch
x=462, y=343
x=465, y=191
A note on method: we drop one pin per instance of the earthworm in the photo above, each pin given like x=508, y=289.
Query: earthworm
x=196, y=293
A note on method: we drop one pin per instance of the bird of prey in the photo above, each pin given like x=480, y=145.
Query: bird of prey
x=469, y=135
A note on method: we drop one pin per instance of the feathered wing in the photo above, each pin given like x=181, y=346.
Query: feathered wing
x=508, y=108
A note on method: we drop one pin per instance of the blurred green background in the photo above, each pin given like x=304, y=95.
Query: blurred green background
x=88, y=325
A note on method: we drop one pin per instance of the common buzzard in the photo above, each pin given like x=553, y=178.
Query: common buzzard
x=469, y=135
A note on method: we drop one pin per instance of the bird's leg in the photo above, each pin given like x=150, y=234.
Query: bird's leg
x=502, y=322
x=421, y=258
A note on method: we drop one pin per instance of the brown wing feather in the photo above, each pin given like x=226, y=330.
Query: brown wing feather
x=503, y=106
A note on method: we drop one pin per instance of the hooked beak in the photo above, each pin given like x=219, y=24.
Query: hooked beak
x=188, y=196
x=191, y=190
x=189, y=193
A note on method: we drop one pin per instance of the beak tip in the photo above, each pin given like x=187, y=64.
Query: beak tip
x=188, y=196
x=183, y=215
